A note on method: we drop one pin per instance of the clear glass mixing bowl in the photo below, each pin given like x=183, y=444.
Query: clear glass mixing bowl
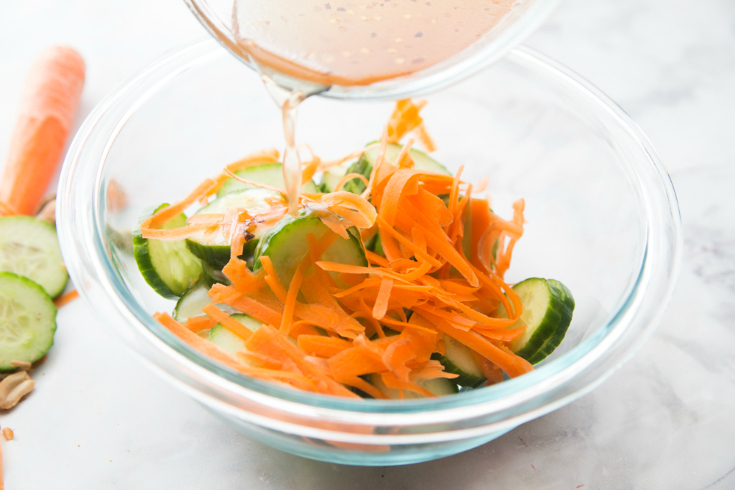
x=602, y=218
x=526, y=16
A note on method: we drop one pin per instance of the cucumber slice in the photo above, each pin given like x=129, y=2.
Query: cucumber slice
x=29, y=247
x=168, y=267
x=438, y=386
x=269, y=174
x=363, y=167
x=375, y=245
x=460, y=360
x=566, y=319
x=331, y=178
x=285, y=243
x=420, y=159
x=214, y=247
x=212, y=275
x=27, y=320
x=228, y=340
x=546, y=315
x=191, y=302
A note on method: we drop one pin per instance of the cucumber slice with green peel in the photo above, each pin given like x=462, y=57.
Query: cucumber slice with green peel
x=547, y=312
x=211, y=275
x=29, y=247
x=286, y=244
x=460, y=360
x=566, y=319
x=268, y=173
x=27, y=321
x=214, y=247
x=437, y=386
x=375, y=245
x=331, y=178
x=228, y=340
x=363, y=167
x=421, y=160
x=191, y=302
x=168, y=267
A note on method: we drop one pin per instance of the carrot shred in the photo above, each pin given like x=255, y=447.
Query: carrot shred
x=381, y=303
x=66, y=298
x=199, y=323
x=320, y=346
x=293, y=290
x=349, y=177
x=230, y=323
x=257, y=158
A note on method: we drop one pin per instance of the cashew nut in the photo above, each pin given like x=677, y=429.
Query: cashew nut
x=13, y=388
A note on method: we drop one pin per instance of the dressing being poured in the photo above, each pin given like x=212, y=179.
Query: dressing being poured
x=351, y=43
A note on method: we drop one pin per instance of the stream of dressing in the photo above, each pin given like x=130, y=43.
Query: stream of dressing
x=288, y=101
x=348, y=43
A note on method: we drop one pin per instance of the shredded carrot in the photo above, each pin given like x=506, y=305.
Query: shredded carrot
x=220, y=316
x=441, y=273
x=349, y=177
x=257, y=158
x=66, y=298
x=199, y=323
x=424, y=138
x=381, y=303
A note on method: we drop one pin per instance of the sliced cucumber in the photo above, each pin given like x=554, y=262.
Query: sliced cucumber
x=331, y=178
x=269, y=174
x=460, y=360
x=375, y=245
x=212, y=275
x=214, y=247
x=547, y=312
x=363, y=167
x=168, y=267
x=437, y=386
x=420, y=159
x=27, y=320
x=566, y=319
x=286, y=244
x=29, y=247
x=191, y=302
x=228, y=340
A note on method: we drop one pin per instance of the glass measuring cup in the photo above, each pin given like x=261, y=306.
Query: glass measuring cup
x=240, y=26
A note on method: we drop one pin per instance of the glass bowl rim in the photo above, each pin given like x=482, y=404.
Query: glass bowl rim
x=556, y=373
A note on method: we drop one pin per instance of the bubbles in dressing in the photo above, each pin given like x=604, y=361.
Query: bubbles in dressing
x=353, y=42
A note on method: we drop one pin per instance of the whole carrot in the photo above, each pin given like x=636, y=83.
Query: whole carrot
x=47, y=107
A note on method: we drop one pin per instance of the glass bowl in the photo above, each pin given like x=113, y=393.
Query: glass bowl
x=602, y=217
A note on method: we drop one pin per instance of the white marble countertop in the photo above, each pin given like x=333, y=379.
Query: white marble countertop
x=100, y=419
